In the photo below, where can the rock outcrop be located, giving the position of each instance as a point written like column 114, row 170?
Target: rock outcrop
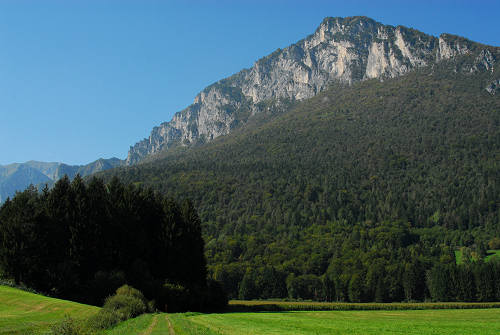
column 342, row 50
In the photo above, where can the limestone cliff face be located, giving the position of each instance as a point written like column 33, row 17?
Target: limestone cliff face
column 344, row 50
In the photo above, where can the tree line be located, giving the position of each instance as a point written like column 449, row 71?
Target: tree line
column 388, row 262
column 81, row 241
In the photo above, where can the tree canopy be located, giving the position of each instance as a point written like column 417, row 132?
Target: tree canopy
column 81, row 241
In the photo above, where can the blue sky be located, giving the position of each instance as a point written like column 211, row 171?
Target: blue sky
column 80, row 80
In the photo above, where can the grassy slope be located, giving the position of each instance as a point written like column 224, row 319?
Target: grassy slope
column 22, row 312
column 477, row 322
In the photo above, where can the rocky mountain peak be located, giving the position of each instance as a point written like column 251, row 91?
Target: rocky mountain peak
column 341, row 50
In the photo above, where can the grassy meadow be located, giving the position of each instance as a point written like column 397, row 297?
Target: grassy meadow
column 24, row 313
column 27, row 313
column 463, row 322
column 132, row 326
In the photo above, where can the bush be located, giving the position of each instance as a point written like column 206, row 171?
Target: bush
column 125, row 306
column 104, row 319
column 69, row 326
column 130, row 291
column 103, row 283
column 127, row 303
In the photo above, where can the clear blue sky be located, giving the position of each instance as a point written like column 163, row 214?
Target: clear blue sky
column 86, row 79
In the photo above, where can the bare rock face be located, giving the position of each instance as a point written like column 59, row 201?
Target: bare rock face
column 342, row 50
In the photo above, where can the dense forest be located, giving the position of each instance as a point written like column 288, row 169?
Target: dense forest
column 362, row 193
column 81, row 241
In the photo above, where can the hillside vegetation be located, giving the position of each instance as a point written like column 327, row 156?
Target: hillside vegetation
column 350, row 194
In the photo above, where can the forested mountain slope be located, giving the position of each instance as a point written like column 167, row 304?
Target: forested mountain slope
column 377, row 179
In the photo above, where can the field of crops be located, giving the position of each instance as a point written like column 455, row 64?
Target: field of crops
column 23, row 312
column 282, row 306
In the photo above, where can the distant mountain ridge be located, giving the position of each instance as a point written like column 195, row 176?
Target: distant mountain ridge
column 341, row 50
column 17, row 176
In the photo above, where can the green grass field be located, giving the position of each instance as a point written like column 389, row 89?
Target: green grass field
column 436, row 322
column 23, row 312
column 26, row 313
column 132, row 326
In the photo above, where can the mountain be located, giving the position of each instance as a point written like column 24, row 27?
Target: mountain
column 18, row 176
column 356, row 193
column 341, row 50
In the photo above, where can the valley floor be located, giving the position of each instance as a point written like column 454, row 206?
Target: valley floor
column 474, row 322
column 26, row 313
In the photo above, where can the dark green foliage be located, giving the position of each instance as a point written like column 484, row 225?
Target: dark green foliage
column 439, row 283
column 104, row 319
column 129, row 291
column 216, row 297
column 494, row 243
column 82, row 241
column 126, row 303
column 486, row 284
column 125, row 306
column 356, row 288
column 68, row 326
column 175, row 298
column 369, row 185
column 304, row 287
column 476, row 281
column 248, row 288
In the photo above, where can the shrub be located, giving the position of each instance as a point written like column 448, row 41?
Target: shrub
column 69, row 326
column 127, row 303
column 130, row 291
column 103, row 283
column 125, row 306
column 104, row 319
